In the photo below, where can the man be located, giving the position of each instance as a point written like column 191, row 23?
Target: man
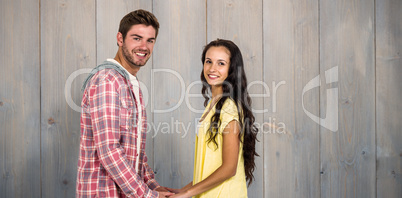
column 112, row 161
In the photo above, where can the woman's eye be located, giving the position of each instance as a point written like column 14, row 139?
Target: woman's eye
column 221, row 63
column 208, row 61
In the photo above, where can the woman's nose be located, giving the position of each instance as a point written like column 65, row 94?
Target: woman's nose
column 213, row 67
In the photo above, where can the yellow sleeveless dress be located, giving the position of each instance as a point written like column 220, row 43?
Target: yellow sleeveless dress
column 208, row 158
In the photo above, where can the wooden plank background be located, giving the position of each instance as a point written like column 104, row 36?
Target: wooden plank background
column 67, row 45
column 388, row 92
column 291, row 140
column 47, row 46
column 19, row 99
column 348, row 163
column 176, row 52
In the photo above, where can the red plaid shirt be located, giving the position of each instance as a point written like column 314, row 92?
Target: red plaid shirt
column 108, row 144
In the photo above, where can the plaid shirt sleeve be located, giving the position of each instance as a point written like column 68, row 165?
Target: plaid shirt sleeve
column 105, row 116
column 149, row 176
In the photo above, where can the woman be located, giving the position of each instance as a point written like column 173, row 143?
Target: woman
column 225, row 143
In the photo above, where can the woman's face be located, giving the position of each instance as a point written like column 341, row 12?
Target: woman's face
column 216, row 65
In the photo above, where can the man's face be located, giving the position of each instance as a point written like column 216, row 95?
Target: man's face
column 138, row 45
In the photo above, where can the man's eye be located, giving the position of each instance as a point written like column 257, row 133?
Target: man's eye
column 151, row 41
column 137, row 39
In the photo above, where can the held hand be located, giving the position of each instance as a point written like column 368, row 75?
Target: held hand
column 162, row 189
column 165, row 194
column 174, row 190
column 180, row 195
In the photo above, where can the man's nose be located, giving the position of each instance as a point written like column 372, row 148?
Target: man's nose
column 143, row 44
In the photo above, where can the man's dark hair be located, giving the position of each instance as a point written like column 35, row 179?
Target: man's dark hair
column 138, row 17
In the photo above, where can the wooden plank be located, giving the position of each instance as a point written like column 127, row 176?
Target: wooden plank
column 291, row 60
column 241, row 22
column 178, row 51
column 388, row 94
column 108, row 16
column 348, row 155
column 68, row 44
column 19, row 99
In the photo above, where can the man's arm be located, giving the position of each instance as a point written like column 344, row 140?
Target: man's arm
column 149, row 176
column 105, row 116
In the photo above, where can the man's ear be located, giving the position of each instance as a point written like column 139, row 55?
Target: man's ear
column 119, row 38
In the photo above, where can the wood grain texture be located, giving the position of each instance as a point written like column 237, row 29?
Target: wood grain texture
column 67, row 45
column 348, row 155
column 19, row 99
column 108, row 16
column 178, row 50
column 291, row 60
column 241, row 22
column 388, row 94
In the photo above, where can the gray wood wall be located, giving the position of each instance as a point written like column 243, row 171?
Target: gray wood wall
column 351, row 48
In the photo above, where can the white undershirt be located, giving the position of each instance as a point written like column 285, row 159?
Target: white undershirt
column 136, row 88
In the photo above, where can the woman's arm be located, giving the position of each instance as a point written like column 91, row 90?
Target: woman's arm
column 230, row 154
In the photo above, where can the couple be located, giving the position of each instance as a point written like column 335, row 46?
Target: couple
column 112, row 160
